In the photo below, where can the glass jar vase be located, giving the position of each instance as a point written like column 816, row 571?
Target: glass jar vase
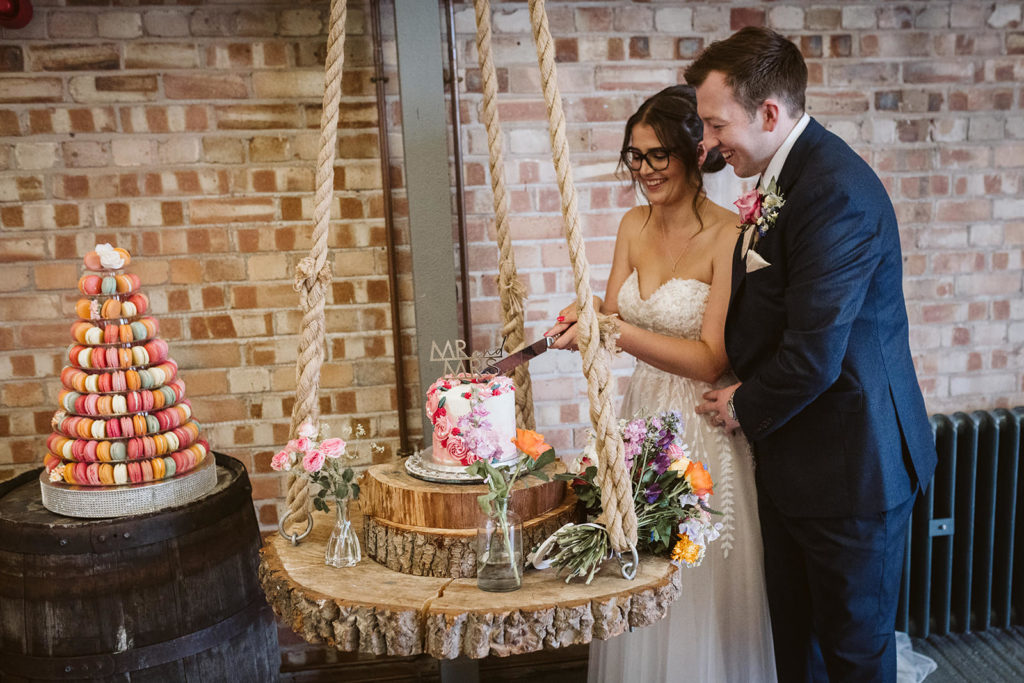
column 499, row 550
column 343, row 545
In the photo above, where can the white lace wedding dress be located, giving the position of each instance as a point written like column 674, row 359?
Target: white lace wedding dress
column 718, row 631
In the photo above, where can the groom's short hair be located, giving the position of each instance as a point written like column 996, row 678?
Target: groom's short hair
column 757, row 63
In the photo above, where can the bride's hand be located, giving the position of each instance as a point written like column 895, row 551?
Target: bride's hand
column 717, row 406
column 564, row 330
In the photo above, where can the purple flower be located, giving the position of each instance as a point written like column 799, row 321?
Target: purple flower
column 662, row 461
column 482, row 442
column 632, row 449
column 635, row 431
column 653, row 492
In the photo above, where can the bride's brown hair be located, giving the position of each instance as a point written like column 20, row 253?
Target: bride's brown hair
column 672, row 114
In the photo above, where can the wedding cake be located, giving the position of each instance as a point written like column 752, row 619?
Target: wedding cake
column 473, row 418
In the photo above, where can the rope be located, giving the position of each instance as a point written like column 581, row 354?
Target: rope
column 616, row 491
column 313, row 273
column 510, row 289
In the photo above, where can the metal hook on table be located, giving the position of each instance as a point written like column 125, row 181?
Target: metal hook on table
column 629, row 567
column 295, row 538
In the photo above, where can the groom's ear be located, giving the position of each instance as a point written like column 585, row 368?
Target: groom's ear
column 702, row 154
column 771, row 109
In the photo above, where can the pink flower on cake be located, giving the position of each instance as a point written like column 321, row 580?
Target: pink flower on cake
column 442, row 428
column 432, row 401
column 333, row 448
column 314, row 462
column 307, row 430
column 457, row 449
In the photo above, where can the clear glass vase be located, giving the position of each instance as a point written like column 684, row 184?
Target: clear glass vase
column 343, row 545
column 499, row 550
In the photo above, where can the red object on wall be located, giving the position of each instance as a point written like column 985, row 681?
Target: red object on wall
column 15, row 13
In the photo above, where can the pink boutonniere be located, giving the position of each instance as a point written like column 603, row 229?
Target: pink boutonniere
column 760, row 208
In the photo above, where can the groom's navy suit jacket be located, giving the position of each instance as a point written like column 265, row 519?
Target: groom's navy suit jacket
column 819, row 338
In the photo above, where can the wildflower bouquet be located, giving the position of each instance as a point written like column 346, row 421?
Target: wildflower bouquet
column 670, row 493
column 321, row 461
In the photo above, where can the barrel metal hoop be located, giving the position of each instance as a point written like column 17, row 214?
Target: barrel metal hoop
column 135, row 659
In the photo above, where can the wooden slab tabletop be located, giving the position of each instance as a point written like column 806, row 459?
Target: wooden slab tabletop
column 369, row 608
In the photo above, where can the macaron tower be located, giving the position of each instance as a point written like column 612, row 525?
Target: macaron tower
column 124, row 422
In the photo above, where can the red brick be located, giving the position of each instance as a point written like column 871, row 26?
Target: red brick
column 740, row 17
column 41, row 121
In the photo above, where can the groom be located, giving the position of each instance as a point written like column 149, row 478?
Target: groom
column 817, row 333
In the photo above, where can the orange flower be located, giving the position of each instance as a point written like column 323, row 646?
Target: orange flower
column 699, row 479
column 687, row 551
column 531, row 443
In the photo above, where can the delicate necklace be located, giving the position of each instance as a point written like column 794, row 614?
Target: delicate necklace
column 682, row 251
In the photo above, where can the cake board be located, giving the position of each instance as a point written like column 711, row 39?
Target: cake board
column 98, row 502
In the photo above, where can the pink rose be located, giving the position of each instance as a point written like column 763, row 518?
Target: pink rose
column 457, row 449
column 281, row 461
column 675, row 451
column 749, row 206
column 432, row 401
column 299, row 445
column 442, row 428
column 308, row 430
column 313, row 461
column 332, row 448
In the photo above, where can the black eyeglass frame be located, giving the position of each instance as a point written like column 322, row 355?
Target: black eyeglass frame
column 640, row 157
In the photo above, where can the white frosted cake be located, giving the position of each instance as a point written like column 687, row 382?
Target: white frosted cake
column 474, row 418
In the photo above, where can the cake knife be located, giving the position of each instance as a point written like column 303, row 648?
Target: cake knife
column 513, row 360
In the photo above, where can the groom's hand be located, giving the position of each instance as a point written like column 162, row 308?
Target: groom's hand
column 718, row 407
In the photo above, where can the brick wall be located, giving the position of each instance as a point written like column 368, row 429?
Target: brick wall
column 928, row 92
column 188, row 133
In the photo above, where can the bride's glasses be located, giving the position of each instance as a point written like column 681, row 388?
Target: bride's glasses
column 656, row 158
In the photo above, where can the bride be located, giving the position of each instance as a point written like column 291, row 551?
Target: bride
column 670, row 286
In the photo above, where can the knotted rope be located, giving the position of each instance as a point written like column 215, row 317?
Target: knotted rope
column 510, row 290
column 313, row 273
column 596, row 337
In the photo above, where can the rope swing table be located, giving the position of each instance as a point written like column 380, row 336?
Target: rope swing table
column 415, row 592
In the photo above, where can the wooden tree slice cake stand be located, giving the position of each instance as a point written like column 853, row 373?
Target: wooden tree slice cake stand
column 429, row 529
column 371, row 609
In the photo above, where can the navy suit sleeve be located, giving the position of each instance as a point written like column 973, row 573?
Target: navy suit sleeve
column 831, row 254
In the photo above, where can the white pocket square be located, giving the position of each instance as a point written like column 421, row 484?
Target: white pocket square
column 755, row 261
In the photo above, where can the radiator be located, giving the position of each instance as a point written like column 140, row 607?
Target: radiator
column 963, row 542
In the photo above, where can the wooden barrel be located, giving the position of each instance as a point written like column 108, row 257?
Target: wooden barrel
column 167, row 596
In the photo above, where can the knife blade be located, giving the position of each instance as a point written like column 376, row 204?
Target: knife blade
column 513, row 360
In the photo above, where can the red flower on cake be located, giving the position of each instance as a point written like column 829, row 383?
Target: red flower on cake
column 442, row 427
column 457, row 449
